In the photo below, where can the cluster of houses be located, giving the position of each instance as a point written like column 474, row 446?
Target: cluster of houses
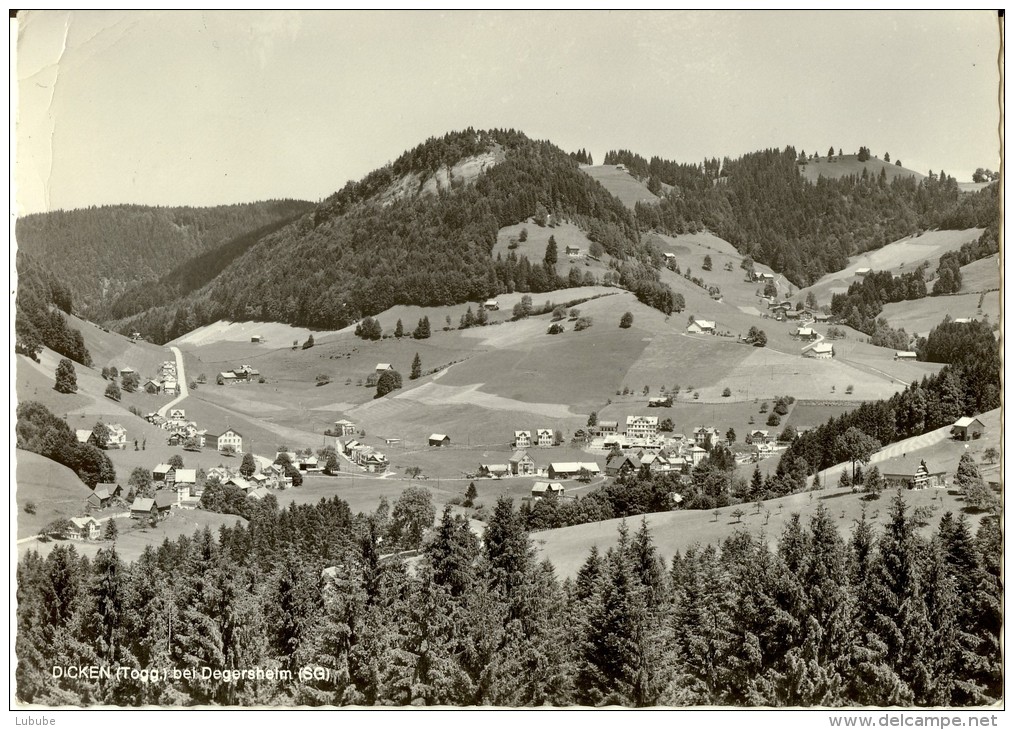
column 783, row 309
column 117, row 436
column 181, row 430
column 366, row 457
column 166, row 382
column 543, row 439
column 242, row 374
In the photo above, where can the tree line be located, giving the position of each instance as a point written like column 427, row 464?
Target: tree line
column 39, row 319
column 886, row 617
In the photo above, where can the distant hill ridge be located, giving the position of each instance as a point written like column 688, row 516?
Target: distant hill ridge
column 419, row 231
column 100, row 252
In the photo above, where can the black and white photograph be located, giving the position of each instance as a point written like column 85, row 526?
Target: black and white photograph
column 507, row 359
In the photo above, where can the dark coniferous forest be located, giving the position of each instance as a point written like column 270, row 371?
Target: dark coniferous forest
column 99, row 252
column 890, row 616
column 763, row 205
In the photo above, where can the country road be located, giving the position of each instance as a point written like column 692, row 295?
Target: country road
column 181, row 378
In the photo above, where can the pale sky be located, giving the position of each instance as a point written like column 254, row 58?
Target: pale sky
column 204, row 108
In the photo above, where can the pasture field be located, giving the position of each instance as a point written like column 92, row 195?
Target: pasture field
column 622, row 184
column 274, row 334
column 134, row 538
column 898, row 257
column 55, row 490
column 981, row 275
column 922, row 315
column 565, row 234
column 112, row 348
column 850, row 165
column 811, row 415
column 567, row 548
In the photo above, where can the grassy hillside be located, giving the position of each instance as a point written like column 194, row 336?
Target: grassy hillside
column 981, row 275
column 901, row 256
column 621, row 183
column 850, row 165
column 55, row 491
column 922, row 315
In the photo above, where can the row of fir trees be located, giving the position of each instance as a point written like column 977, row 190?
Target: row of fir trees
column 889, row 616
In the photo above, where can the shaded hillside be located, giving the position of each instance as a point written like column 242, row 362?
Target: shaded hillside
column 764, row 204
column 365, row 249
column 100, row 252
column 39, row 318
column 189, row 276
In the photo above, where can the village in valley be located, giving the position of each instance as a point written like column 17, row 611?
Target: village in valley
column 346, row 375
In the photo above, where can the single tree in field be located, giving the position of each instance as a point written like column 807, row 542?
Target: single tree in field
column 110, row 531
column 249, row 465
column 113, row 391
column 551, row 256
column 413, row 471
column 470, row 494
column 399, row 329
column 855, row 445
column 991, row 455
column 707, row 263
column 523, row 236
column 583, row 475
column 175, row 461
column 730, row 436
column 738, row 514
column 593, row 418
column 66, row 377
column 331, row 464
column 416, row 368
column 309, row 343
column 389, row 380
column 412, row 515
column 626, row 320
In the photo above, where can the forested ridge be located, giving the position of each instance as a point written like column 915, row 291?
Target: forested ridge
column 885, row 617
column 362, row 251
column 39, row 317
column 763, row 206
column 100, row 252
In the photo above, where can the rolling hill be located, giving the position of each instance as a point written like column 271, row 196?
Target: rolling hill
column 850, row 165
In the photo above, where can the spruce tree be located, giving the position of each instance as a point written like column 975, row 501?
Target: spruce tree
column 416, row 368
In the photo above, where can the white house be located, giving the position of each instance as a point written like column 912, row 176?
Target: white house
column 820, row 350
column 544, row 437
column 382, row 366
column 701, row 326
column 117, row 436
column 905, row 355
column 344, row 427
column 522, row 439
column 83, row 528
column 521, row 464
column 645, row 427
column 231, row 438
column 491, row 304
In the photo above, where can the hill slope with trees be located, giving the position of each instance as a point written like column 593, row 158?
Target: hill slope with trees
column 100, row 252
column 765, row 206
column 365, row 249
